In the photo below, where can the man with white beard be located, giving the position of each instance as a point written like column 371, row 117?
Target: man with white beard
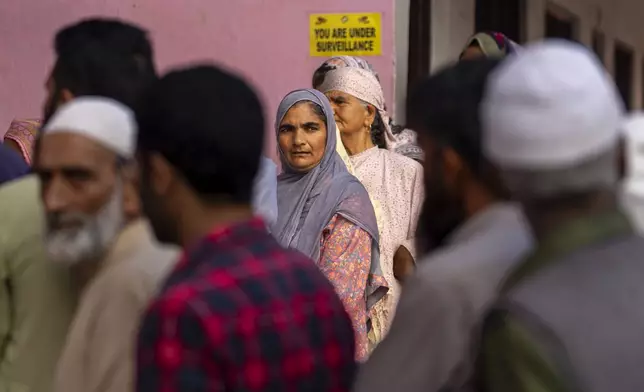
column 93, row 225
column 92, row 57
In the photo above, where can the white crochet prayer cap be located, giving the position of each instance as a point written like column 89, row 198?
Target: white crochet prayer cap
column 553, row 106
column 104, row 120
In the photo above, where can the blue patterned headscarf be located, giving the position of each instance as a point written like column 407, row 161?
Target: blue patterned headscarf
column 308, row 201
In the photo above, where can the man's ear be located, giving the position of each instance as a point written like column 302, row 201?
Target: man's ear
column 160, row 173
column 131, row 183
column 371, row 114
column 66, row 96
column 452, row 164
column 452, row 160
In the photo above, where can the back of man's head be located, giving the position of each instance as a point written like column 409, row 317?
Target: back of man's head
column 445, row 109
column 103, row 57
column 550, row 119
column 209, row 125
column 446, row 105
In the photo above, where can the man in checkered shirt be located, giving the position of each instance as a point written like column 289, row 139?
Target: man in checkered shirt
column 239, row 312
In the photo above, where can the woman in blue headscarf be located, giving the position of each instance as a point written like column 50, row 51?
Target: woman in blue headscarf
column 325, row 212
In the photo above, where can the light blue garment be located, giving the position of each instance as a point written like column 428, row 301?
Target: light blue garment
column 265, row 191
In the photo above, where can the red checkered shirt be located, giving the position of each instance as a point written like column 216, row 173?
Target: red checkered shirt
column 241, row 313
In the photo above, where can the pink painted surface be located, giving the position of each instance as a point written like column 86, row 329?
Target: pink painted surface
column 265, row 40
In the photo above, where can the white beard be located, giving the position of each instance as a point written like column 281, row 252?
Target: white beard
column 93, row 239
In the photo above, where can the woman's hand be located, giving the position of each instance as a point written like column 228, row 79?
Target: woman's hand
column 404, row 264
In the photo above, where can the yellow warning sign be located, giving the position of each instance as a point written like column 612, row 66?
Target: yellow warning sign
column 345, row 34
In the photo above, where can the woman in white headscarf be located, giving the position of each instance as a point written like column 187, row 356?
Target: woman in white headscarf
column 405, row 139
column 394, row 182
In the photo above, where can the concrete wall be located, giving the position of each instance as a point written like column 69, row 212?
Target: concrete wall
column 618, row 20
column 453, row 22
column 267, row 41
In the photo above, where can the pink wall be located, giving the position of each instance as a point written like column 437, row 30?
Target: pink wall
column 265, row 40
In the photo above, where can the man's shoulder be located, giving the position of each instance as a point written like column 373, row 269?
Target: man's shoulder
column 22, row 216
column 613, row 262
column 26, row 183
column 138, row 277
column 20, row 196
column 257, row 282
column 261, row 257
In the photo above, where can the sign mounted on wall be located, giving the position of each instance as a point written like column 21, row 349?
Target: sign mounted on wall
column 345, row 34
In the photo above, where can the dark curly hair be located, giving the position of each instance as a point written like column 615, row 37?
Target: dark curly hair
column 378, row 131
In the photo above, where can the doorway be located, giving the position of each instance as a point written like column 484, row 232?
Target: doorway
column 560, row 23
column 504, row 16
column 623, row 57
column 419, row 54
column 599, row 45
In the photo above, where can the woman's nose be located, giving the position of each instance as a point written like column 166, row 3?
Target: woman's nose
column 298, row 138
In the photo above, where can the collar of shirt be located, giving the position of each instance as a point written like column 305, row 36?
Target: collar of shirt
column 133, row 236
column 238, row 232
column 223, row 233
column 497, row 213
column 128, row 240
column 570, row 236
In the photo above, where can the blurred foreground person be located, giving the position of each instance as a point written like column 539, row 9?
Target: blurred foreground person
column 265, row 191
column 37, row 298
column 239, row 312
column 477, row 236
column 21, row 137
column 325, row 212
column 571, row 316
column 632, row 196
column 101, row 57
column 85, row 164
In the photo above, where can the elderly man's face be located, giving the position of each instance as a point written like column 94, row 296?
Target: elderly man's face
column 84, row 195
column 444, row 205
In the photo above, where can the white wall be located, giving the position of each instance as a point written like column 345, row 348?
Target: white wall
column 617, row 19
column 453, row 23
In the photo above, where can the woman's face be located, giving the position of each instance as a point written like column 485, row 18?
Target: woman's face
column 302, row 137
column 473, row 52
column 351, row 114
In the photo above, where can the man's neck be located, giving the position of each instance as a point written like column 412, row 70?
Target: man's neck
column 200, row 221
column 479, row 199
column 356, row 142
column 547, row 216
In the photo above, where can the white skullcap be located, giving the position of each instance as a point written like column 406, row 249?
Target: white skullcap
column 550, row 107
column 103, row 120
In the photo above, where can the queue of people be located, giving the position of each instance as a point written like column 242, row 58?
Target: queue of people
column 146, row 244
